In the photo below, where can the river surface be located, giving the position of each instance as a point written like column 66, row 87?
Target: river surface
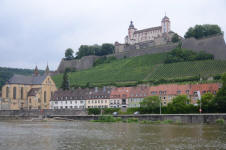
column 24, row 135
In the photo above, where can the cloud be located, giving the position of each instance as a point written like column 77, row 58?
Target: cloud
column 38, row 31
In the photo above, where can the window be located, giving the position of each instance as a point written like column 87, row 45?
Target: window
column 29, row 100
column 81, row 102
column 7, row 92
column 22, row 93
column 56, row 102
column 39, row 100
column 45, row 97
column 187, row 91
column 71, row 102
column 179, row 92
column 14, row 92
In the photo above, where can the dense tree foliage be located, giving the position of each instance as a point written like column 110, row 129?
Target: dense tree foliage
column 151, row 104
column 182, row 55
column 175, row 38
column 7, row 73
column 207, row 103
column 200, row 31
column 180, row 104
column 98, row 50
column 69, row 54
column 65, row 84
column 220, row 99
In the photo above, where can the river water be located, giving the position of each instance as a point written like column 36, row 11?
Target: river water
column 24, row 135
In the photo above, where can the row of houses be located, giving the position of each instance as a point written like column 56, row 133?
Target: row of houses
column 122, row 97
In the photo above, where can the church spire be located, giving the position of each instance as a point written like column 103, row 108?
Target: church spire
column 47, row 69
column 36, row 73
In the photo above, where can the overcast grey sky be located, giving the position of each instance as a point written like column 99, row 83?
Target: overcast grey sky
column 34, row 32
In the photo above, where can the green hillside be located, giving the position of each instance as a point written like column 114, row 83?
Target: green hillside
column 143, row 68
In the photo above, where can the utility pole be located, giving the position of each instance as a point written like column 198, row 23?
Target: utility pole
column 200, row 105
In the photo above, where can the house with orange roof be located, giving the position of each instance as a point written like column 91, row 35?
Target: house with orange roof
column 119, row 97
column 136, row 95
column 167, row 92
column 203, row 88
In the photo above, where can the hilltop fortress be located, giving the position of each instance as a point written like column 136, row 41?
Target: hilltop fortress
column 149, row 41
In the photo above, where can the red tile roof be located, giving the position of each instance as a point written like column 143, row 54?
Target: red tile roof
column 120, row 92
column 207, row 87
column 139, row 91
column 170, row 89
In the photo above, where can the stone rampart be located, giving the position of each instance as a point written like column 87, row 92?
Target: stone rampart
column 214, row 45
column 85, row 62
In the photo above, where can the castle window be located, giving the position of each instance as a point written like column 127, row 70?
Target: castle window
column 14, row 92
column 7, row 92
column 22, row 93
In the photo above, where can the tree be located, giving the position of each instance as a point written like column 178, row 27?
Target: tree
column 206, row 102
column 69, row 54
column 150, row 104
column 175, row 38
column 65, row 84
column 200, row 31
column 180, row 104
column 220, row 99
column 86, row 50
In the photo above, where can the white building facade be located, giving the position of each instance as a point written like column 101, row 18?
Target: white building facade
column 72, row 99
column 149, row 34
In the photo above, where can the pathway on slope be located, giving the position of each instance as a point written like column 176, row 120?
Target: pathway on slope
column 154, row 69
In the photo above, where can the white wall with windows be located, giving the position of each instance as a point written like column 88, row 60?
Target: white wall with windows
column 68, row 104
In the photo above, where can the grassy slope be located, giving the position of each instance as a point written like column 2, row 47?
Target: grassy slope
column 147, row 67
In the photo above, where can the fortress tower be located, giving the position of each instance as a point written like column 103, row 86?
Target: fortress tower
column 165, row 25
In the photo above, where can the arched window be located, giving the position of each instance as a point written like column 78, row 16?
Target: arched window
column 7, row 92
column 45, row 97
column 14, row 92
column 22, row 93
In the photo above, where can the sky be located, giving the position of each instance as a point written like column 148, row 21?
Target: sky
column 37, row 32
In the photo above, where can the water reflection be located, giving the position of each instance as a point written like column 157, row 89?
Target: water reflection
column 90, row 136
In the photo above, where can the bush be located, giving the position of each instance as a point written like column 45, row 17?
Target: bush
column 175, row 38
column 108, row 119
column 110, row 110
column 220, row 121
column 94, row 111
column 182, row 55
column 131, row 120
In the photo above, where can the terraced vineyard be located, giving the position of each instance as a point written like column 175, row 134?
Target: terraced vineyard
column 148, row 67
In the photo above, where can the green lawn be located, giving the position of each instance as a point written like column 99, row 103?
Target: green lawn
column 147, row 67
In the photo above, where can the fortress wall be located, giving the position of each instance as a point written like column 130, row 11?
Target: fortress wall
column 147, row 50
column 214, row 45
column 78, row 64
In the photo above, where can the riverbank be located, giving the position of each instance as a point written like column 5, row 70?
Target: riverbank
column 182, row 118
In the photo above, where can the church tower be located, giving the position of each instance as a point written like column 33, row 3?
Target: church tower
column 165, row 24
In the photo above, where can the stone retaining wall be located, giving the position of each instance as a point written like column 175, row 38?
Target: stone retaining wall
column 183, row 118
